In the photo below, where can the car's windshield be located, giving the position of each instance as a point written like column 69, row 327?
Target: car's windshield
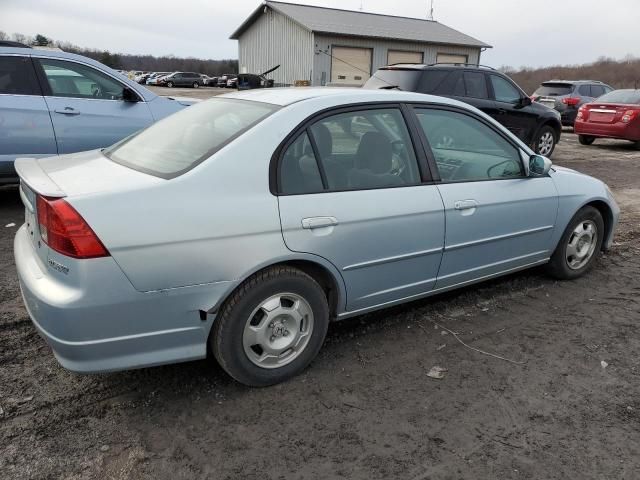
column 631, row 97
column 181, row 141
column 554, row 89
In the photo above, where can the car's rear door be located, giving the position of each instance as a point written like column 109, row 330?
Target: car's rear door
column 25, row 125
column 86, row 106
column 351, row 190
column 498, row 219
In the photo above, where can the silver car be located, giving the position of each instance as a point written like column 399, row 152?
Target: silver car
column 245, row 224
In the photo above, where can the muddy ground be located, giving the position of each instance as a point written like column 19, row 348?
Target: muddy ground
column 366, row 408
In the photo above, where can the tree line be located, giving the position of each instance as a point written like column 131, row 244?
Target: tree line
column 623, row 73
column 122, row 61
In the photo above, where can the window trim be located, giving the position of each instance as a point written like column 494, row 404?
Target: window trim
column 431, row 156
column 29, row 60
column 277, row 157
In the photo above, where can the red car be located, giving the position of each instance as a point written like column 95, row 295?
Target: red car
column 613, row 115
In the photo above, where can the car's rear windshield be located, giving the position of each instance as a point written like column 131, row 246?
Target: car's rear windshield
column 181, row 141
column 554, row 89
column 631, row 97
column 404, row 79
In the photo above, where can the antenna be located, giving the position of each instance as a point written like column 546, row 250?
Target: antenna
column 361, row 5
column 430, row 17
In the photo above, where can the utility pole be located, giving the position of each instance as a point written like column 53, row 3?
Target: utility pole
column 361, row 5
column 430, row 17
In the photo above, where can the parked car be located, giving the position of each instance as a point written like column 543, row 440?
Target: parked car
column 486, row 89
column 232, row 82
column 339, row 208
column 56, row 102
column 210, row 81
column 223, row 80
column 567, row 96
column 614, row 115
column 142, row 78
column 181, row 79
column 153, row 78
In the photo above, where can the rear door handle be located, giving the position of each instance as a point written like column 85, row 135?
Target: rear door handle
column 502, row 111
column 465, row 204
column 319, row 222
column 68, row 111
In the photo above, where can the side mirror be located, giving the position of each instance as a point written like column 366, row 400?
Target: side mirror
column 129, row 95
column 524, row 102
column 539, row 166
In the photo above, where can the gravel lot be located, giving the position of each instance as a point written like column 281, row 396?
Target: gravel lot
column 365, row 409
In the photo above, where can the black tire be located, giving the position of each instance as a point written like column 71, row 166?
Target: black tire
column 586, row 139
column 196, row 85
column 170, row 84
column 226, row 338
column 545, row 149
column 558, row 267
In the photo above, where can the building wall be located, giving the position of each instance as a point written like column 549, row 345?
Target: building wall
column 323, row 43
column 273, row 40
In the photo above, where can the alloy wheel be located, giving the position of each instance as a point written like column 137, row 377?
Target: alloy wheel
column 546, row 143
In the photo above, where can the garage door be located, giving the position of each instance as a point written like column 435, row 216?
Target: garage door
column 448, row 58
column 350, row 66
column 398, row 56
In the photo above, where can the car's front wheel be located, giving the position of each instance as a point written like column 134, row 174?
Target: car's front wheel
column 196, row 85
column 271, row 327
column 579, row 245
column 545, row 141
column 170, row 84
column 586, row 139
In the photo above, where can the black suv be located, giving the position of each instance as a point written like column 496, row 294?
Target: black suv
column 486, row 89
column 567, row 96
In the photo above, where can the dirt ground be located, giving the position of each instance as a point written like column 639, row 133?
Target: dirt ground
column 366, row 408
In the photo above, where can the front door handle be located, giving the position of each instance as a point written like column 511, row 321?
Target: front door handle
column 502, row 111
column 68, row 111
column 319, row 222
column 465, row 204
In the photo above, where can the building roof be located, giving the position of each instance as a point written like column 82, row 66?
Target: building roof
column 363, row 24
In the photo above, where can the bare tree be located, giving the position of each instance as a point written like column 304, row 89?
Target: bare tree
column 3, row 35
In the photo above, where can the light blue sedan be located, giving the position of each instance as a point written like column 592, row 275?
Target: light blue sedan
column 53, row 103
column 243, row 225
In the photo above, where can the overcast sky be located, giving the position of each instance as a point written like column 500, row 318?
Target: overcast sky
column 523, row 32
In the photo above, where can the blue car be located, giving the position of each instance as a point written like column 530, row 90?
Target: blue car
column 54, row 103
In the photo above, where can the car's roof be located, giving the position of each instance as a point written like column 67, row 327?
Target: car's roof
column 289, row 95
column 571, row 82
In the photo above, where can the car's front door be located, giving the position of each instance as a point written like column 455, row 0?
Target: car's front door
column 498, row 219
column 351, row 191
column 87, row 107
column 509, row 110
column 25, row 126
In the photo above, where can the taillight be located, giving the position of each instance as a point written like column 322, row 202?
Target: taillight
column 571, row 101
column 583, row 113
column 629, row 115
column 65, row 231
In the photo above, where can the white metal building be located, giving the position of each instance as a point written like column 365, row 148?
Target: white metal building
column 331, row 46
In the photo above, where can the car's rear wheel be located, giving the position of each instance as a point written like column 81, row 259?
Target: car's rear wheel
column 196, row 85
column 170, row 84
column 637, row 144
column 545, row 141
column 579, row 246
column 586, row 139
column 271, row 327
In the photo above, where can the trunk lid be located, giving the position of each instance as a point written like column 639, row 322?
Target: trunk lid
column 79, row 174
column 608, row 112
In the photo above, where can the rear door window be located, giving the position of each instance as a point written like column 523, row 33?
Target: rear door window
column 585, row 90
column 17, row 76
column 476, row 84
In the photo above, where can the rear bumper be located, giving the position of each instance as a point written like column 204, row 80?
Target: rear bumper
column 101, row 323
column 616, row 130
